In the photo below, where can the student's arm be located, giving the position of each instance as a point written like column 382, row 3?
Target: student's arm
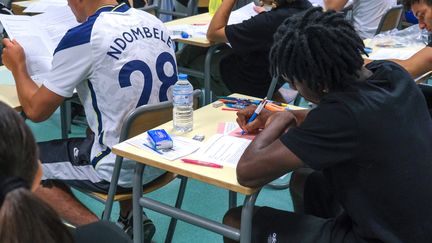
column 216, row 29
column 336, row 5
column 267, row 158
column 38, row 103
column 419, row 64
column 261, row 120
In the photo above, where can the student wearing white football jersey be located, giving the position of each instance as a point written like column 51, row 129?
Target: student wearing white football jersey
column 117, row 59
column 366, row 13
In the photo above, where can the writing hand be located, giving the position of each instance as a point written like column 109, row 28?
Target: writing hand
column 253, row 127
column 259, row 9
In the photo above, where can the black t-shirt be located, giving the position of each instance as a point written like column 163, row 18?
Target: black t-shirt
column 246, row 71
column 373, row 143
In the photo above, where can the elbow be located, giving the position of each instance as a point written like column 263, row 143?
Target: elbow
column 245, row 175
column 35, row 116
column 210, row 35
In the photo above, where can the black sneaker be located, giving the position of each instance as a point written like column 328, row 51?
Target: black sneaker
column 126, row 223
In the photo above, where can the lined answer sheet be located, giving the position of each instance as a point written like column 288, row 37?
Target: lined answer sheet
column 222, row 149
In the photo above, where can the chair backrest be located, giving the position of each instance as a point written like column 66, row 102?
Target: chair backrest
column 147, row 117
column 138, row 121
column 157, row 7
column 391, row 19
column 427, row 92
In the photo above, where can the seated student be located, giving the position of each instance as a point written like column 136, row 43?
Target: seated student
column 368, row 140
column 244, row 68
column 118, row 58
column 366, row 13
column 421, row 62
column 23, row 216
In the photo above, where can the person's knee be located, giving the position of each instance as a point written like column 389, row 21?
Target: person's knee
column 233, row 217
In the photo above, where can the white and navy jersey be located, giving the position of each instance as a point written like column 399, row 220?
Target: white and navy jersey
column 117, row 60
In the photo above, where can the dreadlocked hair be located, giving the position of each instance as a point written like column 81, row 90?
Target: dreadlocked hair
column 317, row 48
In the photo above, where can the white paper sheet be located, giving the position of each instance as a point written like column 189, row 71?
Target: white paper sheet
column 392, row 53
column 241, row 14
column 43, row 6
column 200, row 31
column 39, row 35
column 181, row 146
column 222, row 149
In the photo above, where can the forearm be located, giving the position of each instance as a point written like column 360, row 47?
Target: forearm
column 26, row 87
column 216, row 29
column 336, row 5
column 300, row 115
column 267, row 158
column 270, row 133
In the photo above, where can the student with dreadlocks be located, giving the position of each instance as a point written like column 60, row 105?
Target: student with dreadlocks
column 363, row 149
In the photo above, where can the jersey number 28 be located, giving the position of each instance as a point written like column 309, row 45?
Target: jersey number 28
column 138, row 65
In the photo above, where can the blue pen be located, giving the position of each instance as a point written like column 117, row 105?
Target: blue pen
column 150, row 147
column 256, row 112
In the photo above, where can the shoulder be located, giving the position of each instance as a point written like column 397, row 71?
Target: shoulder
column 76, row 36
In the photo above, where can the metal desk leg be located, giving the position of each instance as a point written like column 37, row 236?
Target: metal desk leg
column 65, row 118
column 246, row 218
column 207, row 75
column 232, row 199
column 136, row 207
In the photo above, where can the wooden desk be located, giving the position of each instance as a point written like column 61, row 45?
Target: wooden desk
column 397, row 53
column 206, row 121
column 201, row 42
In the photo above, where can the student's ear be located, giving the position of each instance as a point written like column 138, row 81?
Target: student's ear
column 38, row 177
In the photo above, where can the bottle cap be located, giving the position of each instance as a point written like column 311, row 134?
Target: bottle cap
column 182, row 76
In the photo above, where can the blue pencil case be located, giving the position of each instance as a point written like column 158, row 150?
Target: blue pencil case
column 160, row 139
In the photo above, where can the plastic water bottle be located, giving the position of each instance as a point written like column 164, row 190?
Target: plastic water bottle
column 183, row 101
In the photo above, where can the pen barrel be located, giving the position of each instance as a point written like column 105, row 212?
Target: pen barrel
column 252, row 118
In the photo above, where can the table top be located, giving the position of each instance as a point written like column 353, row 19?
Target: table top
column 206, row 121
column 200, row 19
column 8, row 93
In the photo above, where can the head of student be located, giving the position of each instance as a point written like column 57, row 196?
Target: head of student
column 422, row 9
column 23, row 217
column 317, row 53
column 82, row 9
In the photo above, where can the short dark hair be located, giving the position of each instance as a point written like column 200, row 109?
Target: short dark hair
column 317, row 48
column 408, row 3
column 18, row 150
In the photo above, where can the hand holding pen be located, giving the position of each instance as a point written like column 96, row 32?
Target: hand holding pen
column 258, row 122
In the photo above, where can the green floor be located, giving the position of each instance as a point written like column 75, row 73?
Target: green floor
column 200, row 198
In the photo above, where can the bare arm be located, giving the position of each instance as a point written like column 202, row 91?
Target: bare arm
column 216, row 29
column 37, row 103
column 267, row 158
column 419, row 64
column 336, row 5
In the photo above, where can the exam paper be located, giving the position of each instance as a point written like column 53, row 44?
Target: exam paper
column 42, row 6
column 200, row 30
column 39, row 35
column 241, row 14
column 222, row 149
column 393, row 53
column 181, row 146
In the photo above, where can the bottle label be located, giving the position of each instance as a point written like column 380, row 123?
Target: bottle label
column 184, row 99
